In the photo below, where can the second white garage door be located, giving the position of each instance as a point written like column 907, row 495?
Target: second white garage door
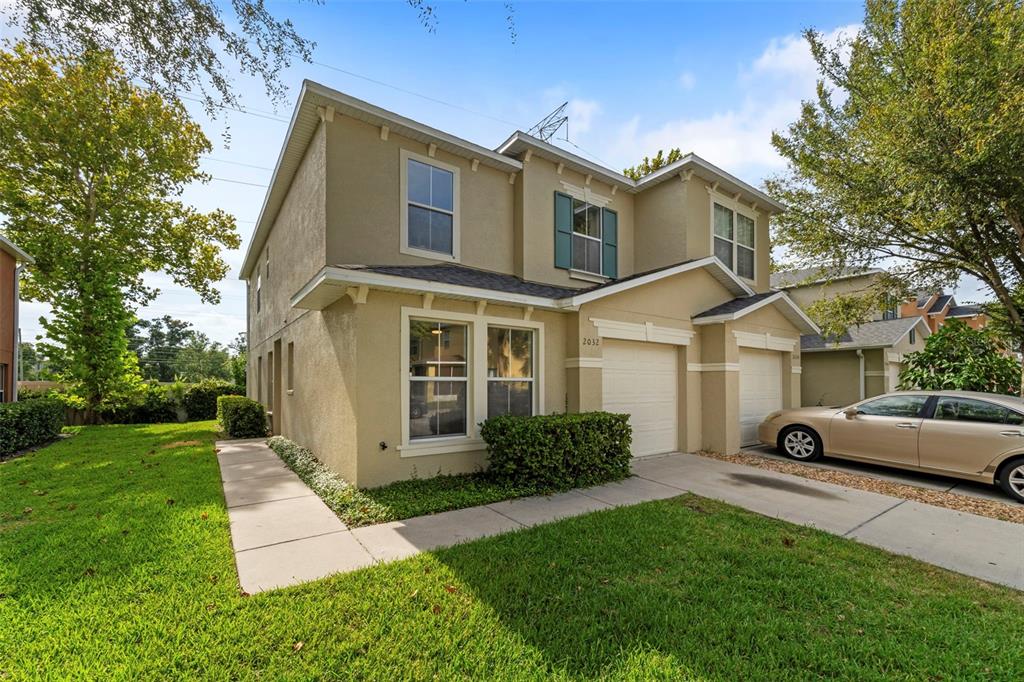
column 640, row 379
column 760, row 389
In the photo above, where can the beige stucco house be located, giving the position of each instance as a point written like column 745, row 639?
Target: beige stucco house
column 405, row 284
column 867, row 359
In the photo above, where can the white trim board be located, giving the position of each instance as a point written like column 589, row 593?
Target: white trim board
column 642, row 331
column 764, row 341
column 791, row 310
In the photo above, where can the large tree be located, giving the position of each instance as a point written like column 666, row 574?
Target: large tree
column 910, row 157
column 158, row 342
column 91, row 168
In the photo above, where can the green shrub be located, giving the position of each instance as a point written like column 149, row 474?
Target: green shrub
column 152, row 405
column 200, row 400
column 351, row 505
column 26, row 424
column 241, row 417
column 559, row 451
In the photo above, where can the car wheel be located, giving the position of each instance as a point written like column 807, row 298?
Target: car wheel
column 1011, row 479
column 800, row 443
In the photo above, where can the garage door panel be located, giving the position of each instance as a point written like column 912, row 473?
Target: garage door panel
column 640, row 379
column 760, row 390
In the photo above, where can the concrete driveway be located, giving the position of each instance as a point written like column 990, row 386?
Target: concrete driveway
column 914, row 478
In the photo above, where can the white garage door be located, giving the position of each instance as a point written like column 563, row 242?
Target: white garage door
column 640, row 379
column 760, row 389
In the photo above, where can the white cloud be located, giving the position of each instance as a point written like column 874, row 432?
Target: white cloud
column 581, row 115
column 738, row 138
column 687, row 80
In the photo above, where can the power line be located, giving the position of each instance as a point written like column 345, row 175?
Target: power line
column 251, row 112
column 236, row 163
column 416, row 94
column 239, row 182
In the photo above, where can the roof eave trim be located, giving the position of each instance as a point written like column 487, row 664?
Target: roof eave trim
column 778, row 297
column 15, row 251
column 673, row 168
column 619, row 287
column 334, row 275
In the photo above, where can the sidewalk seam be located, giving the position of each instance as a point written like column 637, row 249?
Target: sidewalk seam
column 276, row 499
column 285, row 542
column 876, row 516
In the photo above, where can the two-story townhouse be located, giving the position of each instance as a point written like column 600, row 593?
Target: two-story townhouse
column 10, row 257
column 936, row 308
column 867, row 359
column 405, row 284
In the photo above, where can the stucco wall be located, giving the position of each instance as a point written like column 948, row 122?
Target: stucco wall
column 830, row 378
column 379, row 380
column 365, row 202
column 807, row 294
column 660, row 215
column 540, row 180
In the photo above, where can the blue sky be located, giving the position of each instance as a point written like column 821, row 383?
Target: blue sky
column 712, row 78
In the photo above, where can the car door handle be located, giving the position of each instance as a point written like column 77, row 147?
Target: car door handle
column 1019, row 434
column 906, row 425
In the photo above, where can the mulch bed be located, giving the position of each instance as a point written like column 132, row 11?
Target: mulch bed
column 1008, row 511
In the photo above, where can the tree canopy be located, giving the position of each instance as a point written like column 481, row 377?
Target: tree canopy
column 910, row 156
column 649, row 165
column 959, row 358
column 91, row 168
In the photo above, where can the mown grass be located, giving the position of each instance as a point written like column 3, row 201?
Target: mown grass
column 107, row 578
column 417, row 497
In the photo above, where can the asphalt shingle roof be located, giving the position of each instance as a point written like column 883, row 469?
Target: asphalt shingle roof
column 735, row 305
column 867, row 335
column 794, row 278
column 969, row 310
column 470, row 277
column 940, row 303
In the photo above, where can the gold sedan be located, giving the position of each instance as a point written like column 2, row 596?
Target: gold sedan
column 974, row 436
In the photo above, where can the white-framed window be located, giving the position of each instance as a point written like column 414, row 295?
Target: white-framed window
column 587, row 235
column 510, row 371
column 733, row 234
column 430, row 207
column 438, row 378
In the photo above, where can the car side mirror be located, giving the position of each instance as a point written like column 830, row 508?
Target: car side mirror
column 851, row 412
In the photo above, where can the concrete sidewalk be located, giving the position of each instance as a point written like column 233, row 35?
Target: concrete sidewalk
column 283, row 534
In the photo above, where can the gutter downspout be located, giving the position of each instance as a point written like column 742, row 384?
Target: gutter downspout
column 17, row 335
column 860, row 356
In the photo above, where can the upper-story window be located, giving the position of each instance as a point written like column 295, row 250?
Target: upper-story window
column 586, row 236
column 259, row 288
column 430, row 225
column 734, row 240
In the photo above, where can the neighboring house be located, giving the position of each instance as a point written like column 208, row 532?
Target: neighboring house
column 935, row 309
column 812, row 284
column 10, row 257
column 405, row 284
column 865, row 361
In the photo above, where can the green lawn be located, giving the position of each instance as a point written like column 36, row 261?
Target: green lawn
column 123, row 569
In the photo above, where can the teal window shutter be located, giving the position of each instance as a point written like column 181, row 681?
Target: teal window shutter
column 563, row 230
column 610, row 250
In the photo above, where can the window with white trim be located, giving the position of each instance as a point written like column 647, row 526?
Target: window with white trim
column 438, row 378
column 510, row 371
column 430, row 207
column 734, row 240
column 587, row 235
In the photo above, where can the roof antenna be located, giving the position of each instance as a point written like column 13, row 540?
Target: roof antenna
column 550, row 124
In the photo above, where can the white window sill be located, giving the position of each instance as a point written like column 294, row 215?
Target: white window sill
column 432, row 255
column 441, row 446
column 588, row 276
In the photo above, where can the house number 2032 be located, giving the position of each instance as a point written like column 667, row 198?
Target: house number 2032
column 591, row 341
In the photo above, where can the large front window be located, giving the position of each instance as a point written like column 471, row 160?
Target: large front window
column 586, row 236
column 438, row 378
column 509, row 371
column 431, row 207
column 734, row 240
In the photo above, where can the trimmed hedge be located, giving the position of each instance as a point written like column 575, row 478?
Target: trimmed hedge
column 241, row 417
column 200, row 400
column 30, row 423
column 559, row 451
column 152, row 406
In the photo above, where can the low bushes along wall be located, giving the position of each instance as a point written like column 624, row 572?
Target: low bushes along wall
column 559, row 451
column 30, row 423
